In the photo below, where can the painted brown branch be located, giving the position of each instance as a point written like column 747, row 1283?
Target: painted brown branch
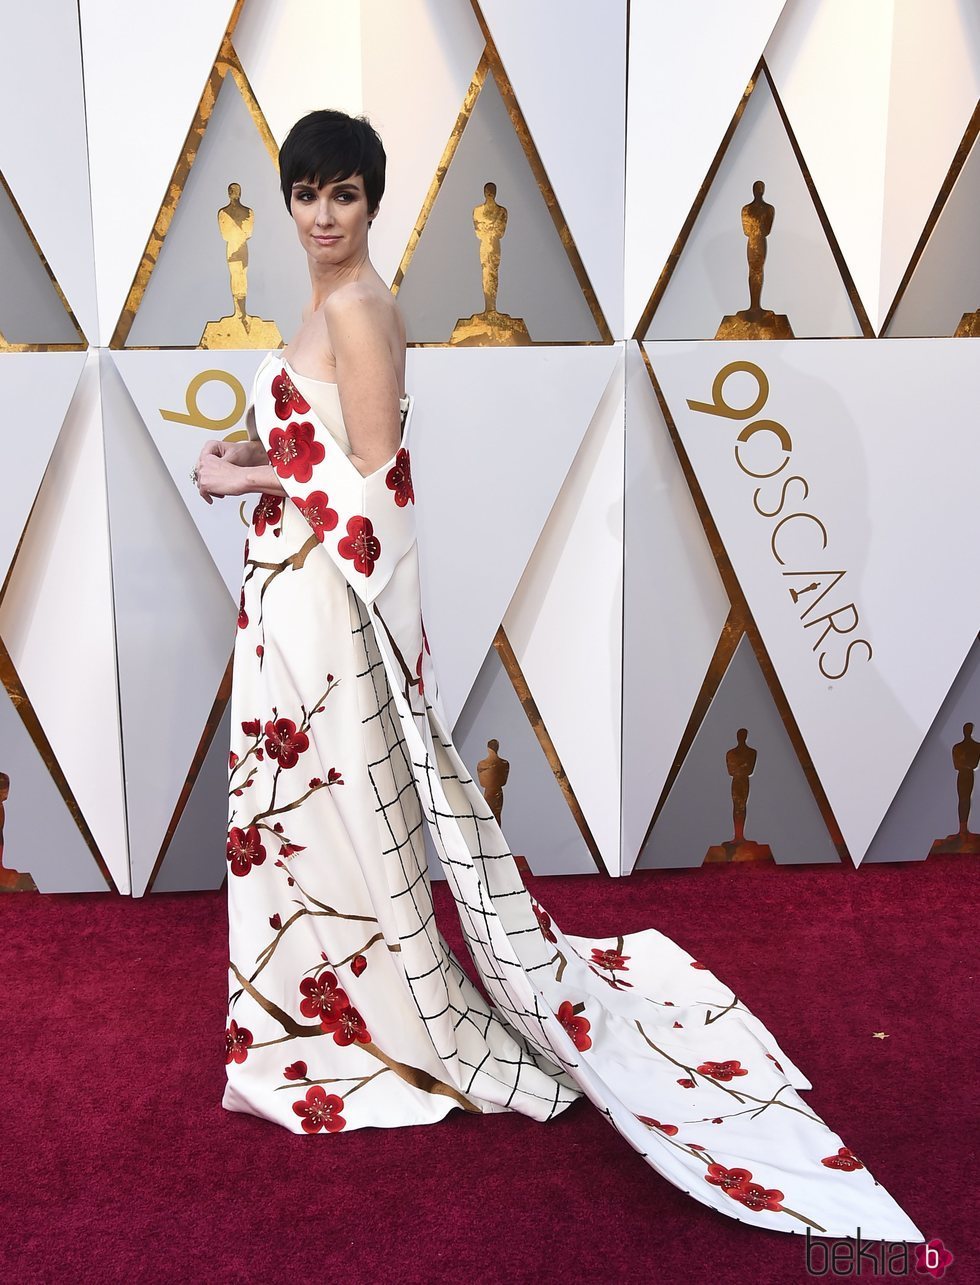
column 267, row 952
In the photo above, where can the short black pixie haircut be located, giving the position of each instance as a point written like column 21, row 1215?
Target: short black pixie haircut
column 328, row 146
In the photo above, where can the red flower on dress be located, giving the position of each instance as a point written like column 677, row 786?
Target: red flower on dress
column 399, row 479
column 697, row 964
column 334, row 777
column 320, row 1111
column 323, row 998
column 237, row 1040
column 232, row 759
column 774, row 1062
column 275, row 921
column 361, row 544
column 350, row 1027
column 284, row 743
column 845, row 1160
column 289, row 401
column 544, row 922
column 757, row 1198
column 722, row 1070
column 296, row 1071
column 252, row 727
column 294, row 450
column 729, row 1180
column 669, row 1129
column 244, row 849
column 686, row 1083
column 577, row 1027
column 418, row 674
column 267, row 512
column 358, row 965
column 610, row 959
column 318, row 513
column 242, row 613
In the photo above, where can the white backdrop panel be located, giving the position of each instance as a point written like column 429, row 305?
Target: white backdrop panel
column 687, row 63
column 572, row 590
column 878, row 501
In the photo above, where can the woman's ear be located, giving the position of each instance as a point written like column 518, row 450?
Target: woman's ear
column 374, row 214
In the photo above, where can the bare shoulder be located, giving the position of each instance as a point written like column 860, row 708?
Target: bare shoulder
column 361, row 303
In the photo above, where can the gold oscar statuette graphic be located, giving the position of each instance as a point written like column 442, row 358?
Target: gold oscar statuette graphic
column 756, row 322
column 10, row 880
column 490, row 326
column 235, row 223
column 493, row 772
column 966, row 760
column 740, row 762
column 969, row 327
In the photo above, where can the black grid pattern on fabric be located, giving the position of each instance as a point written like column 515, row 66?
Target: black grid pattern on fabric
column 401, row 805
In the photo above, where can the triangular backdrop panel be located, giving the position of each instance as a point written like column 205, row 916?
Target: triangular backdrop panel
column 926, row 808
column 865, row 657
column 780, row 812
column 40, row 837
column 36, row 389
column 41, row 64
column 127, row 78
column 56, row 623
column 568, row 125
column 537, row 283
column 195, row 856
column 801, row 277
column 945, row 283
column 175, row 622
column 494, row 434
column 854, row 80
column 421, row 52
column 572, row 590
column 161, row 382
column 536, row 819
column 674, row 610
column 666, row 167
column 31, row 310
column 190, row 284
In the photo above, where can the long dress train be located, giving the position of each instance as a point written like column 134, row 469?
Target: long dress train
column 346, row 1007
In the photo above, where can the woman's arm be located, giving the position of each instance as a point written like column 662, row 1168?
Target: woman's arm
column 218, row 476
column 357, row 321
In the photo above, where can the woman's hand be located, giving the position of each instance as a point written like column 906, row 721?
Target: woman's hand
column 218, row 476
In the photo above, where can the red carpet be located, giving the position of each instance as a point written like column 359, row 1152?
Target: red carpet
column 119, row 1164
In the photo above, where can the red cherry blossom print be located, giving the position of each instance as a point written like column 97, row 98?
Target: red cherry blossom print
column 757, row 1198
column 577, row 1027
column 729, row 1180
column 252, row 727
column 358, row 965
column 294, row 450
column 267, row 512
column 320, row 1111
column 722, row 1070
column 686, row 1083
column 323, row 998
column 697, row 964
column 318, row 513
column 246, row 549
column 669, row 1129
column 544, row 922
column 244, row 849
column 275, row 921
column 296, row 1071
column 399, row 479
column 242, row 613
column 361, row 545
column 845, row 1160
column 334, row 777
column 232, row 759
column 260, row 651
column 289, row 401
column 350, row 1027
column 284, row 743
column 774, row 1062
column 418, row 674
column 237, row 1040
column 610, row 959
column 679, row 1025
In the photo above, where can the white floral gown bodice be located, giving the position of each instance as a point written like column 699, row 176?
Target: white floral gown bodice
column 346, row 1007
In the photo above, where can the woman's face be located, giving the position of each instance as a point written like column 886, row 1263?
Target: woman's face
column 332, row 221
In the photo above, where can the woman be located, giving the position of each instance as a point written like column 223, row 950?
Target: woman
column 346, row 1007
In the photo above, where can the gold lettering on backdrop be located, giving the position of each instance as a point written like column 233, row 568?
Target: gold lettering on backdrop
column 239, row 330
column 966, row 760
column 490, row 326
column 756, row 322
column 797, row 535
column 10, row 880
column 740, row 763
column 492, row 773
